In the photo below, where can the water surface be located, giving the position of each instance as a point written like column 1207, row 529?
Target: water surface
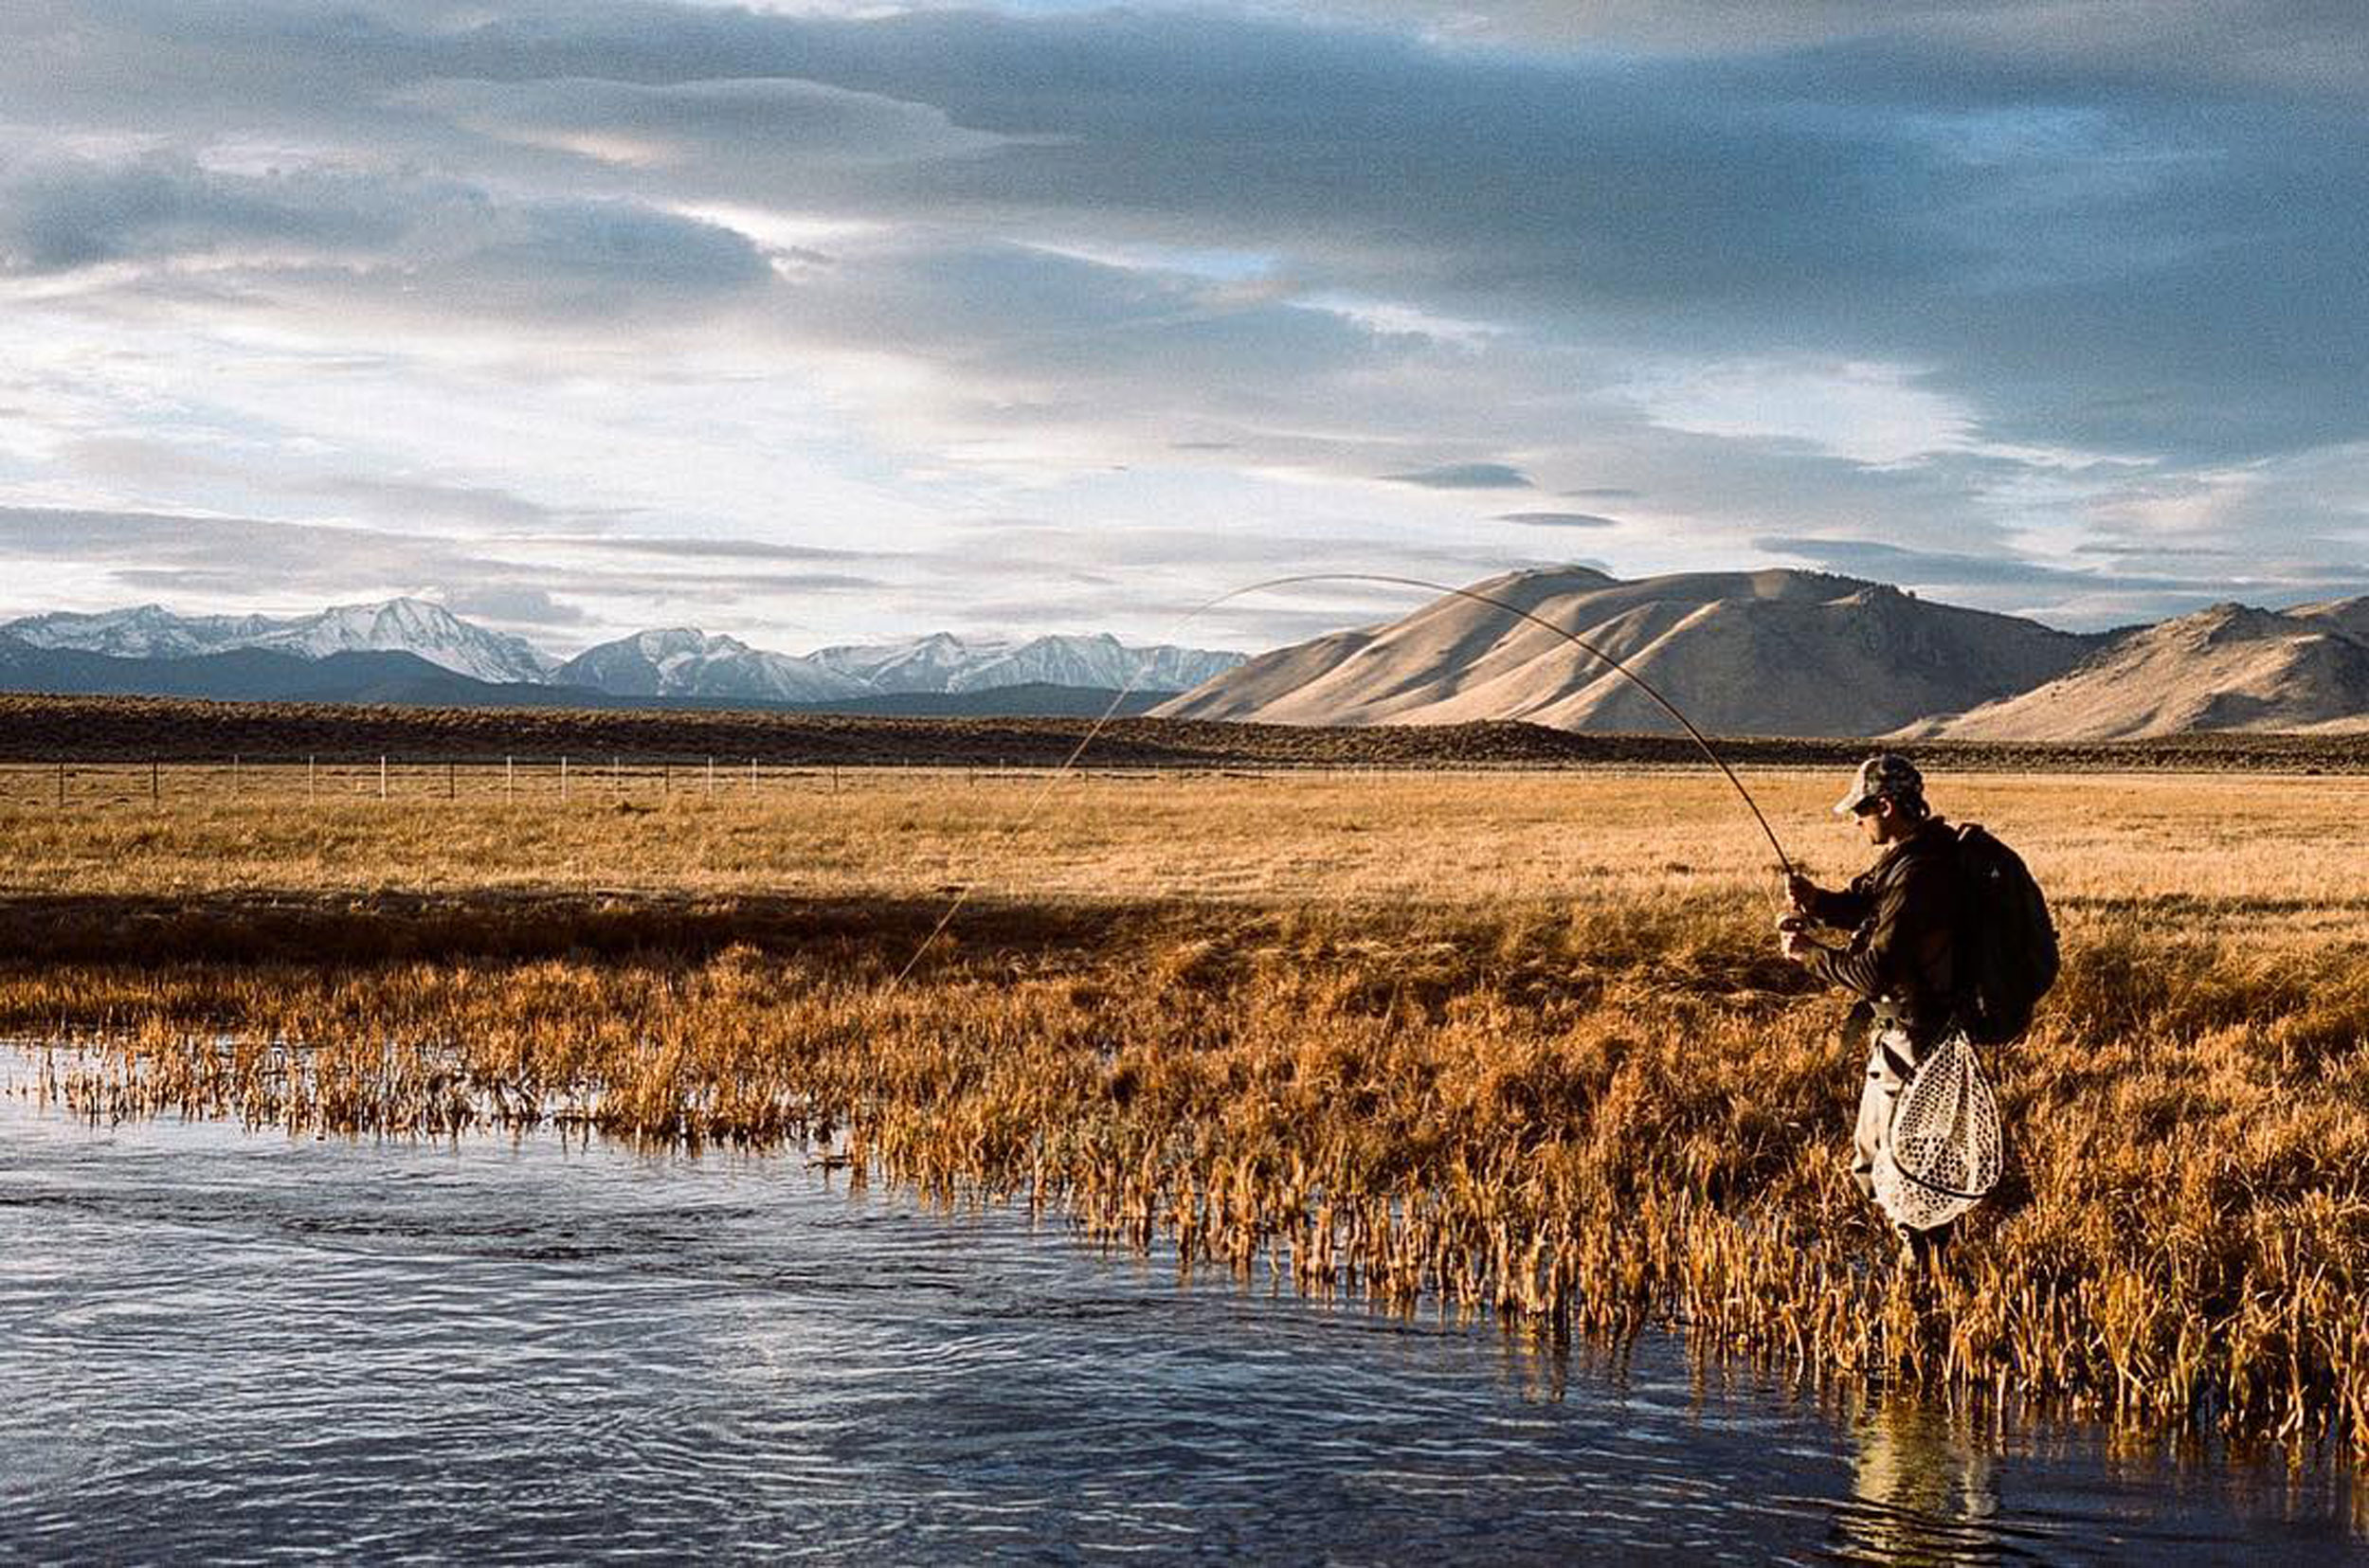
column 223, row 1345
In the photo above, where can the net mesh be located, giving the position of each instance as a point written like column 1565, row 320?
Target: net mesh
column 1942, row 1154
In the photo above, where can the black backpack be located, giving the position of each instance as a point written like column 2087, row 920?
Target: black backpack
column 2006, row 945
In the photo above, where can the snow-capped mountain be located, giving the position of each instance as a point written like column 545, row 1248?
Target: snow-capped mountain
column 1100, row 661
column 676, row 661
column 682, row 661
column 414, row 626
column 148, row 631
column 943, row 662
column 918, row 664
column 399, row 625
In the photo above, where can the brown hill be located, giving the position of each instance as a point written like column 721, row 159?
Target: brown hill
column 2227, row 668
column 1765, row 653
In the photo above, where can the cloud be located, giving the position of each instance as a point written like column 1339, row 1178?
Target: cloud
column 1558, row 519
column 700, row 549
column 2198, row 552
column 322, row 554
column 62, row 215
column 1465, row 476
column 735, row 129
column 423, row 244
column 515, row 605
column 2281, row 43
column 998, row 255
column 1015, row 316
column 2081, row 598
column 1942, row 568
column 295, row 567
column 421, row 500
column 2075, row 248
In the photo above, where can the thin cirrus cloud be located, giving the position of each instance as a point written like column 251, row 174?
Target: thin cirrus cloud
column 1945, row 568
column 2281, row 584
column 446, row 245
column 1559, row 519
column 983, row 258
column 726, row 134
column 500, row 577
column 1465, row 476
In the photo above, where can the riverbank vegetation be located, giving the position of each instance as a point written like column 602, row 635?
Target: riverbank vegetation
column 1511, row 1043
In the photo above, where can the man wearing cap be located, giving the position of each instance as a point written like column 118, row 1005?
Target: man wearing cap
column 1902, row 916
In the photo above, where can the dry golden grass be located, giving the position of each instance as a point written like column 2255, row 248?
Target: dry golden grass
column 2225, row 849
column 1515, row 1042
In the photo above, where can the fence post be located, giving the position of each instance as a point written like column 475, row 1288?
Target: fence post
column 311, row 769
column 452, row 781
column 710, row 775
column 752, row 777
column 234, row 772
column 382, row 775
column 563, row 779
column 509, row 778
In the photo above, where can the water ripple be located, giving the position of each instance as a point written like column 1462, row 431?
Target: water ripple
column 223, row 1346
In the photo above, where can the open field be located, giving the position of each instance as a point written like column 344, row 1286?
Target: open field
column 1515, row 1040
column 46, row 729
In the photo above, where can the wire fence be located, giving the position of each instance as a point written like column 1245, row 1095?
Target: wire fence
column 62, row 785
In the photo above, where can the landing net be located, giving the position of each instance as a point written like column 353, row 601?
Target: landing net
column 1944, row 1152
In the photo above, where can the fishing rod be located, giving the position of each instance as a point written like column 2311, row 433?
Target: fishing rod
column 1305, row 579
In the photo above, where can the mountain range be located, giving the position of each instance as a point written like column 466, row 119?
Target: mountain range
column 1779, row 653
column 2226, row 668
column 330, row 656
column 399, row 625
column 947, row 663
column 1806, row 653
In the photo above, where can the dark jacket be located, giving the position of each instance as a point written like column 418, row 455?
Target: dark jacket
column 1902, row 912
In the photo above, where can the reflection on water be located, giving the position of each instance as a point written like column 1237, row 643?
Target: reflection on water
column 221, row 1345
column 1923, row 1486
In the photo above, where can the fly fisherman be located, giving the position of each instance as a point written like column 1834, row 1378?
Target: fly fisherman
column 1902, row 916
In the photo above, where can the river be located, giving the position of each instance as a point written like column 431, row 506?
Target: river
column 230, row 1345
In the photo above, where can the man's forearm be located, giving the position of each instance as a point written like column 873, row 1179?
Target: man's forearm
column 1852, row 971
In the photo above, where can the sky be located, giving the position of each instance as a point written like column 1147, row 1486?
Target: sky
column 828, row 322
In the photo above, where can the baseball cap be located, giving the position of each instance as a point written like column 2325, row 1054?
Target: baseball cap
column 1886, row 773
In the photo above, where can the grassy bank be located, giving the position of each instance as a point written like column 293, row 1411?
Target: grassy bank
column 1519, row 1042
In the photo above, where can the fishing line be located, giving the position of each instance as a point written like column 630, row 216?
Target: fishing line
column 1300, row 580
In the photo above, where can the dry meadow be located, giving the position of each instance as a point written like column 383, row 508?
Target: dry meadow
column 1511, row 1042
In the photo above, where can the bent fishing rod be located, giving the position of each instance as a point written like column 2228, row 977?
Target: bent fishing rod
column 1305, row 579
